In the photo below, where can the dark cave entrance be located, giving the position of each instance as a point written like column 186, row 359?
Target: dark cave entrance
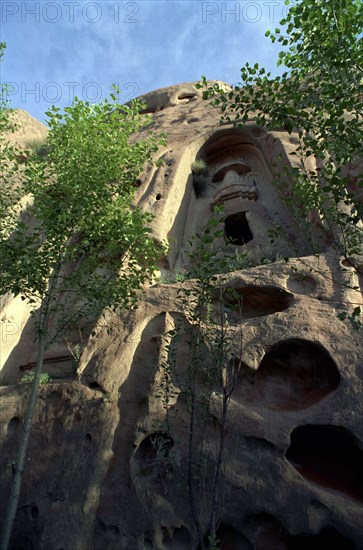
column 329, row 456
column 237, row 229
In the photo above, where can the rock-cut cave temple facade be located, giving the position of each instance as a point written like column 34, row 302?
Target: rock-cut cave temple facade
column 101, row 470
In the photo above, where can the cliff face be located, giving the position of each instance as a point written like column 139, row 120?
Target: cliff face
column 102, row 469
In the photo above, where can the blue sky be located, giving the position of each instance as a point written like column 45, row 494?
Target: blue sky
column 59, row 49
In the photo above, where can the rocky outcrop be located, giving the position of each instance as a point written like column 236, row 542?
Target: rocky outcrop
column 102, row 469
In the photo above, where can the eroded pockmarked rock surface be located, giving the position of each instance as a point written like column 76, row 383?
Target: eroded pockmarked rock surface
column 104, row 468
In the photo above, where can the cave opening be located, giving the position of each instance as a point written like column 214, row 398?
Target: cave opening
column 237, row 229
column 329, row 456
column 296, row 374
column 253, row 301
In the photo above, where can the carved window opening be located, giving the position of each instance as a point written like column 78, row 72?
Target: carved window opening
column 237, row 229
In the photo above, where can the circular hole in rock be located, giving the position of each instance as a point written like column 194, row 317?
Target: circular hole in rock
column 88, row 438
column 137, row 183
column 329, row 456
column 301, row 284
column 13, row 426
column 253, row 301
column 347, row 263
column 158, row 197
column 151, row 457
column 296, row 374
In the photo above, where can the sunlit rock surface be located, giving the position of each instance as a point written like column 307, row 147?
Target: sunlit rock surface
column 293, row 459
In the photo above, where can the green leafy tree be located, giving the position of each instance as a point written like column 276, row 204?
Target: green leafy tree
column 318, row 99
column 76, row 243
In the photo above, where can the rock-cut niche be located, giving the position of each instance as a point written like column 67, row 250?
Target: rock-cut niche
column 296, row 374
column 230, row 170
column 251, row 301
column 329, row 456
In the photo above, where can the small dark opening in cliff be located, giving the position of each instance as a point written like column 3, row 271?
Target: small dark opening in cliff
column 95, row 386
column 237, row 229
column 329, row 456
column 13, row 426
column 186, row 96
column 253, row 301
column 296, row 374
column 158, row 197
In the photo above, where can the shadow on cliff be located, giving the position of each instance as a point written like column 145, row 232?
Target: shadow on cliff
column 120, row 504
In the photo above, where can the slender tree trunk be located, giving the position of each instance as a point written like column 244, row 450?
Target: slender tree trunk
column 192, row 502
column 193, row 397
column 223, row 380
column 216, row 487
column 23, row 446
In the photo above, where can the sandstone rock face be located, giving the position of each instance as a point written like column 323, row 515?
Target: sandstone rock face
column 107, row 462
